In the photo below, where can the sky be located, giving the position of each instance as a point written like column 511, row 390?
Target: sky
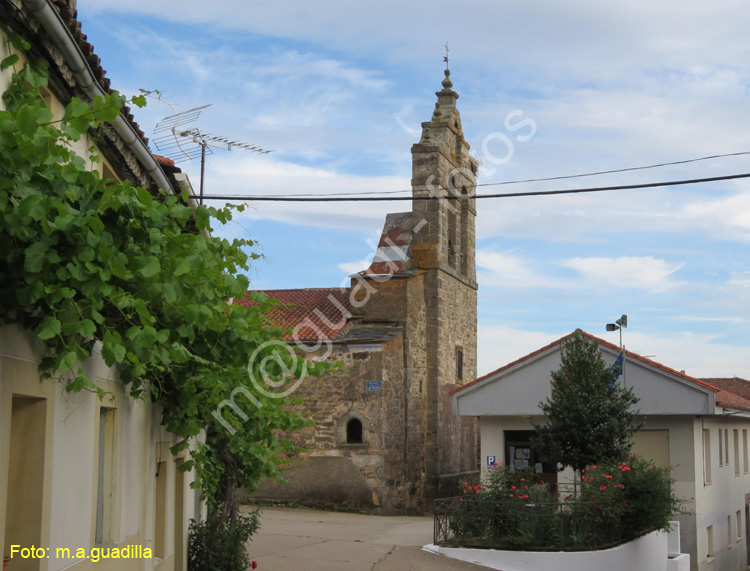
column 338, row 90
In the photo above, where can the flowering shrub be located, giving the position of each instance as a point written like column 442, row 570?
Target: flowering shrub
column 616, row 502
column 635, row 495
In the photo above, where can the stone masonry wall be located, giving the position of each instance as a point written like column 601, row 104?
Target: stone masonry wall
column 458, row 329
column 322, row 473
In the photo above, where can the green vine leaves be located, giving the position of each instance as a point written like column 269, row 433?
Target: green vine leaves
column 92, row 265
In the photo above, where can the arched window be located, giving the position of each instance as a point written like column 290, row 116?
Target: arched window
column 354, row 431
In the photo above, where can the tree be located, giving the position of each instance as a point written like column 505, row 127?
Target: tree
column 589, row 415
column 94, row 265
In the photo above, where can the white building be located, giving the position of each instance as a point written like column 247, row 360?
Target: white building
column 80, row 476
column 697, row 428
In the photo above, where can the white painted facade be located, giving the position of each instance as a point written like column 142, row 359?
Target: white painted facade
column 49, row 471
column 80, row 473
column 678, row 411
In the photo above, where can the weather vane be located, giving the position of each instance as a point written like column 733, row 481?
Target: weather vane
column 445, row 59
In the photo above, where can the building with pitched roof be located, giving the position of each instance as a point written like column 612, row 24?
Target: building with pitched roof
column 405, row 333
column 80, row 476
column 698, row 427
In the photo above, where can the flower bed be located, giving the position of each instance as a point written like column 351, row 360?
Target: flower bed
column 615, row 502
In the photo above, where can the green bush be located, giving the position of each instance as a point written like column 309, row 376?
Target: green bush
column 639, row 495
column 215, row 546
column 616, row 502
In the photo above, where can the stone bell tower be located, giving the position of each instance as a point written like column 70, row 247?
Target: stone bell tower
column 443, row 247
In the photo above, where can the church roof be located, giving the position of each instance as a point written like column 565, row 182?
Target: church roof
column 393, row 255
column 310, row 314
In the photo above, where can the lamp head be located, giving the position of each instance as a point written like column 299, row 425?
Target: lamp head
column 612, row 327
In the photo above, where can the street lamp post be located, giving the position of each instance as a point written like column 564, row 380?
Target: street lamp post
column 618, row 324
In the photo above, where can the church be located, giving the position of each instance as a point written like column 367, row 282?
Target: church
column 404, row 334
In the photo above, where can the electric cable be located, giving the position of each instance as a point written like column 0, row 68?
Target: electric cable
column 431, row 196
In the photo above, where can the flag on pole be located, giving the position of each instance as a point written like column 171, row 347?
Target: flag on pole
column 616, row 367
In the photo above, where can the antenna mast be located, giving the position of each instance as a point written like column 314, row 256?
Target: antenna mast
column 185, row 144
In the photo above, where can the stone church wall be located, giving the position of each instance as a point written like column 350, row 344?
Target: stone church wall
column 458, row 321
column 331, row 471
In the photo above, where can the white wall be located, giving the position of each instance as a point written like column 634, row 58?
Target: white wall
column 723, row 496
column 648, row 553
column 71, row 458
column 518, row 390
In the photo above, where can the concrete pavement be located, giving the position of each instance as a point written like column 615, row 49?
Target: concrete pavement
column 292, row 539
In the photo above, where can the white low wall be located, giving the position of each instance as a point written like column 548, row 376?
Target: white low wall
column 679, row 562
column 648, row 553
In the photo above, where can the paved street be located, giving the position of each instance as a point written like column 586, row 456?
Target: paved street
column 311, row 540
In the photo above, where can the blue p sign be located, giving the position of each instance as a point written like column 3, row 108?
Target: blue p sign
column 490, row 461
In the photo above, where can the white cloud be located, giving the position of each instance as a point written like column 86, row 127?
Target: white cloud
column 511, row 271
column 251, row 174
column 741, row 279
column 697, row 318
column 505, row 270
column 405, row 127
column 353, row 267
column 646, row 273
column 499, row 345
column 319, row 70
column 728, row 218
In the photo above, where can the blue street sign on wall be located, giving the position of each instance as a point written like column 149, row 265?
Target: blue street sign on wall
column 490, row 461
column 374, row 385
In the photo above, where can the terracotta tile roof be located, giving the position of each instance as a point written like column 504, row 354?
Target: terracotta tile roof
column 163, row 160
column 315, row 312
column 392, row 255
column 600, row 342
column 69, row 15
column 733, row 392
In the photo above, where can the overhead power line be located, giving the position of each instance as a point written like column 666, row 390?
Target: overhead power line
column 266, row 198
column 628, row 169
column 545, row 179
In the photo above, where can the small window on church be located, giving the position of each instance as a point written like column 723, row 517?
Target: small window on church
column 459, row 363
column 354, row 431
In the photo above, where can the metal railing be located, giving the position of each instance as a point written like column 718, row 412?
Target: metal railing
column 559, row 526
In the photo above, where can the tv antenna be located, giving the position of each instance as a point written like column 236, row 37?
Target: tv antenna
column 180, row 143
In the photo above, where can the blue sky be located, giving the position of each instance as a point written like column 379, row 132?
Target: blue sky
column 338, row 90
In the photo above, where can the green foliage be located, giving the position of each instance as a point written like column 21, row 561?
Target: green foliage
column 225, row 550
column 618, row 501
column 641, row 492
column 91, row 265
column 589, row 415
